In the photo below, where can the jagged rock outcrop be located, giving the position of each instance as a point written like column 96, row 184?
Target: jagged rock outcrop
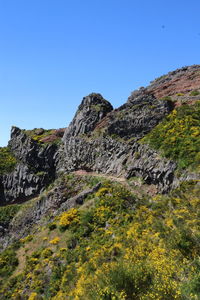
column 138, row 116
column 87, row 146
column 110, row 156
column 34, row 171
column 40, row 157
column 92, row 109
column 101, row 139
column 22, row 184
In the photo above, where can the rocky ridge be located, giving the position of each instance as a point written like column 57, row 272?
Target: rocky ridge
column 101, row 139
column 184, row 81
column 34, row 171
column 85, row 201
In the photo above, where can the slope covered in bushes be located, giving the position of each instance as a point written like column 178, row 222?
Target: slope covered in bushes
column 71, row 234
column 112, row 247
column 178, row 136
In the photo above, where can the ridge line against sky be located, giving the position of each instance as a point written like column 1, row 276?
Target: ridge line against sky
column 55, row 52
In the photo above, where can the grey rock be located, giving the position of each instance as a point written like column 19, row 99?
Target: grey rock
column 138, row 116
column 92, row 109
column 109, row 156
column 22, row 184
column 39, row 164
column 78, row 199
column 109, row 152
column 83, row 149
column 28, row 151
column 47, row 205
column 2, row 231
column 34, row 171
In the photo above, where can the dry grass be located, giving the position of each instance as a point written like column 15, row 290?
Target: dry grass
column 41, row 240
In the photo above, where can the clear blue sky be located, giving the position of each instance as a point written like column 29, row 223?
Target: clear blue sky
column 54, row 52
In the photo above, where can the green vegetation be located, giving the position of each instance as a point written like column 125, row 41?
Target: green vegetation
column 41, row 135
column 178, row 136
column 7, row 213
column 96, row 107
column 117, row 245
column 7, row 160
column 112, row 247
column 194, row 93
column 67, row 218
column 137, row 155
column 166, row 98
column 8, row 261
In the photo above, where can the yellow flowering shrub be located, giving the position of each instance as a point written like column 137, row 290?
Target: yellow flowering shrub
column 68, row 217
column 33, row 296
column 102, row 191
column 122, row 250
column 178, row 136
column 26, row 239
column 47, row 252
column 55, row 241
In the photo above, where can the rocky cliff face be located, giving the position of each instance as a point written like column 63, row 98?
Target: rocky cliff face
column 102, row 139
column 22, row 184
column 97, row 141
column 138, row 116
column 92, row 109
column 109, row 156
column 39, row 157
column 35, row 168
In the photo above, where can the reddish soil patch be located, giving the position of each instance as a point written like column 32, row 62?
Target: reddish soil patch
column 180, row 83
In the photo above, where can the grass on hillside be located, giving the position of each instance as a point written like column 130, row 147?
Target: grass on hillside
column 39, row 135
column 7, row 160
column 117, row 248
column 178, row 136
column 7, row 213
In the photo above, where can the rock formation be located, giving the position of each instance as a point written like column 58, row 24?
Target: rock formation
column 101, row 139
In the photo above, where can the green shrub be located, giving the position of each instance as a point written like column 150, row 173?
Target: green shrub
column 68, row 218
column 178, row 136
column 191, row 288
column 120, row 249
column 8, row 262
column 52, row 226
column 120, row 282
column 7, row 160
column 137, row 155
column 39, row 135
column 7, row 213
column 166, row 98
column 26, row 239
column 194, row 93
column 102, row 191
column 46, row 253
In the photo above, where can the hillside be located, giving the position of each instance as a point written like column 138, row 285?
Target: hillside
column 107, row 208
